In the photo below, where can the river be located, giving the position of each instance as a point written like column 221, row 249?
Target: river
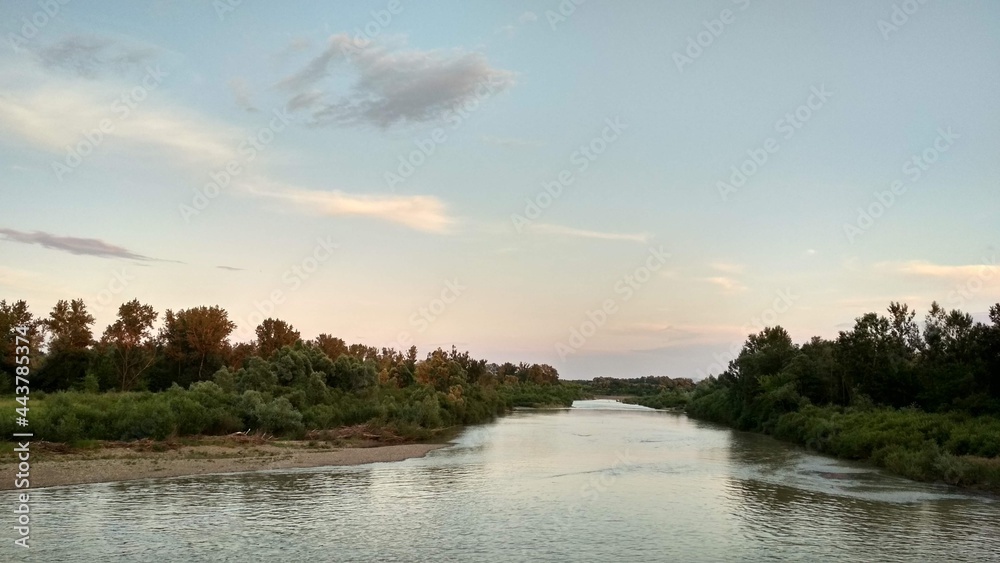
column 599, row 482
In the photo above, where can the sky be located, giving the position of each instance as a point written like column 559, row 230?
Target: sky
column 613, row 188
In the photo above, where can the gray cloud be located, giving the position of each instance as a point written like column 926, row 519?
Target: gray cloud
column 73, row 245
column 391, row 86
column 91, row 55
column 230, row 268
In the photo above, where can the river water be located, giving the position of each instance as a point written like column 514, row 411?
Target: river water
column 599, row 482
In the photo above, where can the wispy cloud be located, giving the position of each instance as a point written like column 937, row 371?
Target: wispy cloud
column 640, row 328
column 73, row 245
column 728, row 284
column 926, row 269
column 392, row 86
column 419, row 212
column 727, row 267
column 51, row 112
column 527, row 17
column 230, row 268
column 560, row 230
column 52, row 117
column 508, row 30
column 92, row 55
column 511, row 30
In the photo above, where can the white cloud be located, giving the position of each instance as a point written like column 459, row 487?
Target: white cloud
column 419, row 212
column 728, row 285
column 559, row 230
column 987, row 269
column 55, row 115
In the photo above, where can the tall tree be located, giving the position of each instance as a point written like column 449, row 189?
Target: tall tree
column 904, row 332
column 951, row 350
column 131, row 344
column 12, row 316
column 331, row 346
column 69, row 348
column 764, row 354
column 69, row 324
column 864, row 353
column 439, row 371
column 273, row 335
column 194, row 343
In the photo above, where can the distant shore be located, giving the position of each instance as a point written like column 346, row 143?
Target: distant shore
column 54, row 465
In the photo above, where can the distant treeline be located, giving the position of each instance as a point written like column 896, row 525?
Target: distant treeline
column 189, row 378
column 658, row 392
column 650, row 385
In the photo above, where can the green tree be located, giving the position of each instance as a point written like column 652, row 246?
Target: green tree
column 766, row 353
column 352, row 374
column 817, row 374
column 68, row 356
column 951, row 358
column 130, row 341
column 12, row 316
column 194, row 344
column 877, row 358
column 69, row 326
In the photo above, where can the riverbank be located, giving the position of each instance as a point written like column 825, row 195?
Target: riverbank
column 954, row 448
column 58, row 464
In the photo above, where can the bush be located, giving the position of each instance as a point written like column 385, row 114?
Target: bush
column 279, row 417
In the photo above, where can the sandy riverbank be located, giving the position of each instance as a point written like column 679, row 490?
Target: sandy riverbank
column 123, row 462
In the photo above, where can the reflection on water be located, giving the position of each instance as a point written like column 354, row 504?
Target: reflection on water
column 600, row 482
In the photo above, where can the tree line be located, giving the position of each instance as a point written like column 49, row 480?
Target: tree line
column 952, row 363
column 922, row 401
column 193, row 344
column 188, row 378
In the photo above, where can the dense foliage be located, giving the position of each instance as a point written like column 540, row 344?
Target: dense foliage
column 922, row 403
column 189, row 379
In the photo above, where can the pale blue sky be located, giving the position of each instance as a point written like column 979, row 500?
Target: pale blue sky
column 893, row 94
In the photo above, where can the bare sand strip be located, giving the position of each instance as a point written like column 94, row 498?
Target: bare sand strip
column 110, row 464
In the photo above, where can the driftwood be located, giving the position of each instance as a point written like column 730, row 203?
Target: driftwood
column 356, row 432
column 249, row 437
